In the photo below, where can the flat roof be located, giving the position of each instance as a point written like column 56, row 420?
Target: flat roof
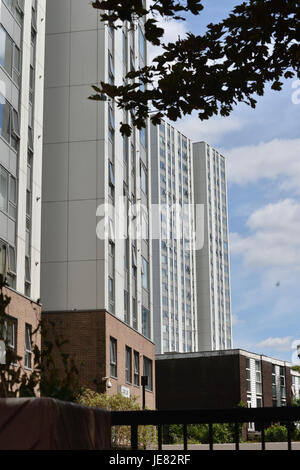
column 224, row 352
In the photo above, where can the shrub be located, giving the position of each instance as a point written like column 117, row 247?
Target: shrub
column 120, row 434
column 276, row 433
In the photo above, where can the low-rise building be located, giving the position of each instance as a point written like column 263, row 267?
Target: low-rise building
column 223, row 379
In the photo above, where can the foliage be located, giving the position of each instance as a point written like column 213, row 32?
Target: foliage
column 121, row 434
column 276, row 433
column 233, row 61
column 296, row 368
column 46, row 378
column 199, row 433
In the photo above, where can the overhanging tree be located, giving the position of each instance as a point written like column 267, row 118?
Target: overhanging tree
column 232, row 62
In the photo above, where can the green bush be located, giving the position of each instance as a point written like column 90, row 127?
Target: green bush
column 120, row 434
column 276, row 433
column 199, row 433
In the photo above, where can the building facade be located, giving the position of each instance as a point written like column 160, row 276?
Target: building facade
column 96, row 183
column 174, row 286
column 222, row 379
column 22, row 40
column 212, row 261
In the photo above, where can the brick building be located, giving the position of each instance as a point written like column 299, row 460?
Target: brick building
column 221, row 379
column 110, row 356
column 23, row 317
column 22, row 39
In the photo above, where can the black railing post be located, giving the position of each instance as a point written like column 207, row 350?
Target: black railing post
column 134, row 437
column 237, row 436
column 289, row 435
column 211, row 436
column 263, row 440
column 159, row 436
column 184, row 437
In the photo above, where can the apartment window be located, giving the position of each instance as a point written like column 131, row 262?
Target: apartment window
column 3, row 189
column 8, row 263
column 28, row 347
column 143, row 136
column 111, row 124
column 16, row 7
column 9, row 332
column 258, row 377
column 148, row 373
column 134, row 261
column 282, row 383
column 144, row 221
column 142, row 44
column 111, row 180
column 144, row 185
column 113, row 357
column 274, row 385
column 134, row 314
column 136, row 372
column 111, row 71
column 126, row 307
column 146, row 322
column 248, row 377
column 111, row 294
column 145, row 272
column 128, row 364
column 9, row 123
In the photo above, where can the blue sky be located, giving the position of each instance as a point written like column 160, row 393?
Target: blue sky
column 262, row 148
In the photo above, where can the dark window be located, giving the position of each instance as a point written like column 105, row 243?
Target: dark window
column 136, row 372
column 128, row 365
column 28, row 347
column 148, row 372
column 113, row 357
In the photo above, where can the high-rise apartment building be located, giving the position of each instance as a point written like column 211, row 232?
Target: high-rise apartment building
column 96, row 271
column 212, row 261
column 174, row 282
column 22, row 39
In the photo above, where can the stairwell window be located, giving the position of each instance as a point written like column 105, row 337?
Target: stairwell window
column 136, row 368
column 128, row 365
column 113, row 357
column 28, row 347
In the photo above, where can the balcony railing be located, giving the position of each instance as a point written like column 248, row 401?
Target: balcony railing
column 263, row 417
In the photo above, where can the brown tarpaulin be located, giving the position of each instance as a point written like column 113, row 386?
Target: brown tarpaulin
column 47, row 424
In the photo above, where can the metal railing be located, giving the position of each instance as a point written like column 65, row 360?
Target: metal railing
column 263, row 417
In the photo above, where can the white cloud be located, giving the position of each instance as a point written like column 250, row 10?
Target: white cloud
column 212, row 130
column 279, row 344
column 275, row 241
column 279, row 158
column 173, row 30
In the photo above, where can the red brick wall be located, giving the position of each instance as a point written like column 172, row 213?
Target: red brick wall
column 266, row 368
column 88, row 334
column 24, row 311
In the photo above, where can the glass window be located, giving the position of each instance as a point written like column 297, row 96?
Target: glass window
column 148, row 372
column 113, row 357
column 143, row 136
column 111, row 288
column 145, row 274
column 142, row 44
column 144, row 185
column 5, row 119
column 136, row 372
column 3, row 257
column 6, row 51
column 27, row 269
column 128, row 364
column 146, row 322
column 28, row 347
column 3, row 189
